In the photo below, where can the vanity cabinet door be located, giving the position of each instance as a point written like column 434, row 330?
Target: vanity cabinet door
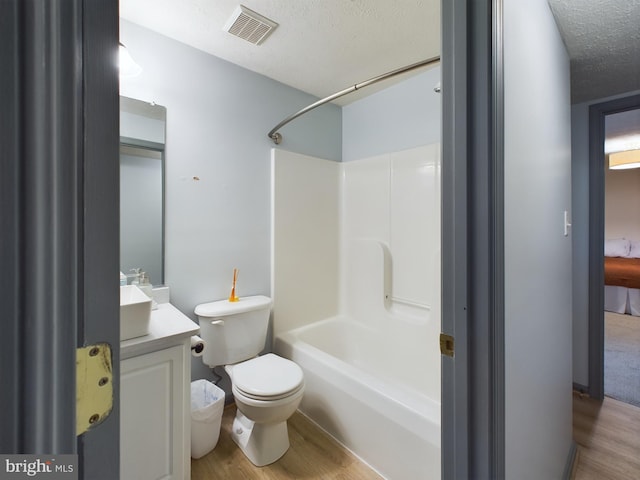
column 152, row 421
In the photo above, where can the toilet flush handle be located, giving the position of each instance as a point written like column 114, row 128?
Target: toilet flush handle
column 217, row 322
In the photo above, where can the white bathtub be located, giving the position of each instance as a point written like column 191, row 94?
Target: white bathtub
column 365, row 399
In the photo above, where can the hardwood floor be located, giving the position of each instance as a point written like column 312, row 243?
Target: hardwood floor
column 313, row 454
column 608, row 438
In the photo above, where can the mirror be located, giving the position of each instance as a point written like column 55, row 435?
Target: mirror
column 142, row 145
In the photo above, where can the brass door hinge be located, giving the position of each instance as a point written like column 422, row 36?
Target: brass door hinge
column 447, row 345
column 94, row 386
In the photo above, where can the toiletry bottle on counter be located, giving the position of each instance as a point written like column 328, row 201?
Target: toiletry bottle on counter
column 136, row 276
column 145, row 285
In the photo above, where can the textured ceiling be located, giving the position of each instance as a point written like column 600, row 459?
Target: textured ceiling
column 320, row 46
column 603, row 41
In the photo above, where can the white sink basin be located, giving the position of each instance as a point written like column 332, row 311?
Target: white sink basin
column 135, row 312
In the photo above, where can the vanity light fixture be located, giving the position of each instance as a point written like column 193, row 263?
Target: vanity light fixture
column 624, row 160
column 128, row 67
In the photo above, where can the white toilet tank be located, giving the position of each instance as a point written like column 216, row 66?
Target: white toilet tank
column 233, row 331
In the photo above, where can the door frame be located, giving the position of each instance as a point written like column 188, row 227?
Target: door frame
column 60, row 215
column 99, row 448
column 473, row 389
column 597, row 168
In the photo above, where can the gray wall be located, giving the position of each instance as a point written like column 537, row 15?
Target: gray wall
column 141, row 127
column 580, row 221
column 402, row 116
column 538, row 409
column 141, row 189
column 141, row 213
column 218, row 163
column 218, row 116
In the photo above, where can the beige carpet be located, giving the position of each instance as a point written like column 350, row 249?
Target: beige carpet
column 622, row 357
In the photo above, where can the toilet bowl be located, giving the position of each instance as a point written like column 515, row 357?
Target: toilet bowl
column 267, row 389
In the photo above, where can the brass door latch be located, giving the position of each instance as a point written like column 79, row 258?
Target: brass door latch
column 447, row 345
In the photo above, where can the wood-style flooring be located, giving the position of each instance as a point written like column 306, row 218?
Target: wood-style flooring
column 313, row 455
column 608, row 437
column 607, row 434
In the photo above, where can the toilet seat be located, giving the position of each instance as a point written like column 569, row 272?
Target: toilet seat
column 268, row 377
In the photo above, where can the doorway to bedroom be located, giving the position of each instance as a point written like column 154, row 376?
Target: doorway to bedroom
column 622, row 257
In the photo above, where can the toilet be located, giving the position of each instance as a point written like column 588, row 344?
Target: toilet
column 267, row 389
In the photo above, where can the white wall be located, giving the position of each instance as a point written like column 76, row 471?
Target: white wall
column 367, row 233
column 622, row 204
column 580, row 222
column 538, row 409
column 305, row 233
column 390, row 257
column 218, row 163
column 400, row 123
column 394, row 200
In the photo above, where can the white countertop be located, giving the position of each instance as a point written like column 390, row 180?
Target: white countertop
column 168, row 326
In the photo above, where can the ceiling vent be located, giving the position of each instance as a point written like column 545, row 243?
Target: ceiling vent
column 249, row 25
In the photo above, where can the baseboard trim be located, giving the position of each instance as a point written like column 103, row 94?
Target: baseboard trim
column 582, row 389
column 571, row 462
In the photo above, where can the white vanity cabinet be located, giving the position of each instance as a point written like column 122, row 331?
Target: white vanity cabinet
column 155, row 418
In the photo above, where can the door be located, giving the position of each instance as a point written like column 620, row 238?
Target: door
column 59, row 212
column 595, row 240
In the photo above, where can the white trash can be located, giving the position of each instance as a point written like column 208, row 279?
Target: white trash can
column 207, row 404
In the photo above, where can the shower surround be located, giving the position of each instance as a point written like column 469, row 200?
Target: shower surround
column 356, row 289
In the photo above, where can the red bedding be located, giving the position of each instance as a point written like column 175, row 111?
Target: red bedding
column 622, row 272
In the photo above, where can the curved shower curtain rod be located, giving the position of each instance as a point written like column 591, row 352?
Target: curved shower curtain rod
column 277, row 138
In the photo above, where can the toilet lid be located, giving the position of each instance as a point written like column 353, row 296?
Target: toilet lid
column 267, row 376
